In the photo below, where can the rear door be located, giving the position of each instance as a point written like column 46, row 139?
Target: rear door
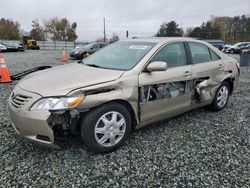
column 206, row 64
column 166, row 93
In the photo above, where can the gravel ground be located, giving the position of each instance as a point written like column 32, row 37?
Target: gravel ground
column 197, row 149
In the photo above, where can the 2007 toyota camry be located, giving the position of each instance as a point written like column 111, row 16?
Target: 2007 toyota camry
column 122, row 87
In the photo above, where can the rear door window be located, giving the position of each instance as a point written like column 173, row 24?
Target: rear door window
column 199, row 53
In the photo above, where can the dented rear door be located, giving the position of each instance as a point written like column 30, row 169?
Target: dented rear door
column 206, row 65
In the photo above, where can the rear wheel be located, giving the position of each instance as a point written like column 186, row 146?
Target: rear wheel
column 105, row 128
column 221, row 97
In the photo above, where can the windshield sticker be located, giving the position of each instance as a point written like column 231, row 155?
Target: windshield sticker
column 138, row 47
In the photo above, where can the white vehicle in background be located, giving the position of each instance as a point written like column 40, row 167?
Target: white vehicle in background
column 2, row 48
column 236, row 48
column 246, row 50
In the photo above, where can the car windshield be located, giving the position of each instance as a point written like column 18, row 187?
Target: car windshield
column 120, row 55
column 13, row 43
column 237, row 44
column 88, row 45
column 4, row 42
column 79, row 46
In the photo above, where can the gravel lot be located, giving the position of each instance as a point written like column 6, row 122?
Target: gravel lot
column 197, row 149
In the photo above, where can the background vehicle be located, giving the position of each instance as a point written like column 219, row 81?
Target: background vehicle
column 80, row 46
column 81, row 53
column 125, row 86
column 11, row 46
column 216, row 43
column 236, row 48
column 20, row 48
column 245, row 49
column 29, row 43
column 3, row 48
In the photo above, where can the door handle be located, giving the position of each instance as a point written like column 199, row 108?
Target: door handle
column 187, row 73
column 220, row 66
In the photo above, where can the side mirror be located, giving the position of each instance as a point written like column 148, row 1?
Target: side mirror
column 157, row 66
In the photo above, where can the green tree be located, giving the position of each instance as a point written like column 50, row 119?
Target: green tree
column 37, row 32
column 60, row 29
column 230, row 29
column 169, row 29
column 9, row 30
column 195, row 32
column 206, row 31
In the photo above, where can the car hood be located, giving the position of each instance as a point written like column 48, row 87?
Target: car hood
column 62, row 79
column 14, row 47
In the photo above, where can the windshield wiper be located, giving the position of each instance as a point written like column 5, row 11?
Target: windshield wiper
column 93, row 65
column 80, row 62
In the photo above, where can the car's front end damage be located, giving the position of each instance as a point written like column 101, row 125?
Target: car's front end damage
column 36, row 121
column 44, row 127
column 31, row 125
column 49, row 127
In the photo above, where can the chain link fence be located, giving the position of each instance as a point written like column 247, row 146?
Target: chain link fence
column 58, row 45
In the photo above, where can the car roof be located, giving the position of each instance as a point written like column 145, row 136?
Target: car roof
column 242, row 43
column 164, row 39
column 213, row 40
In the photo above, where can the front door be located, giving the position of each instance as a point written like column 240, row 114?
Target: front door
column 166, row 93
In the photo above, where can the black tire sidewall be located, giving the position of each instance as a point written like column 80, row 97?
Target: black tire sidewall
column 215, row 105
column 89, row 121
column 83, row 55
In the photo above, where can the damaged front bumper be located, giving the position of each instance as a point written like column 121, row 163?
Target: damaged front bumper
column 35, row 126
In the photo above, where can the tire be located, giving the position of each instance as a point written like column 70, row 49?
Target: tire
column 231, row 51
column 84, row 55
column 100, row 127
column 221, row 97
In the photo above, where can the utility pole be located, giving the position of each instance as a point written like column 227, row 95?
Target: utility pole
column 104, row 30
column 182, row 29
column 126, row 34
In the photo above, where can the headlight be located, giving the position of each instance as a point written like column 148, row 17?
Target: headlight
column 54, row 103
column 3, row 47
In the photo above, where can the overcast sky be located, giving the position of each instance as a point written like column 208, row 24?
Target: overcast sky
column 140, row 17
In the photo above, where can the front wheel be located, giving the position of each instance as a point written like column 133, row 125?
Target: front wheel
column 231, row 51
column 84, row 55
column 105, row 128
column 221, row 97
